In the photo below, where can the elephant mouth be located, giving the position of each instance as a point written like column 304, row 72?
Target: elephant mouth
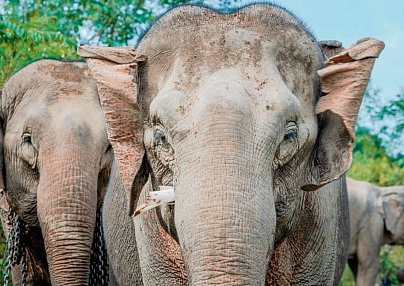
column 164, row 196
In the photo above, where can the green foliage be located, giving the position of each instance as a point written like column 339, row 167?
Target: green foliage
column 377, row 154
column 3, row 258
column 111, row 22
column 347, row 278
column 385, row 120
column 372, row 163
column 388, row 268
column 394, row 110
column 22, row 42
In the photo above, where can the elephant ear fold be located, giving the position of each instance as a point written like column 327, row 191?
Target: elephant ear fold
column 115, row 71
column 343, row 82
column 331, row 47
column 392, row 210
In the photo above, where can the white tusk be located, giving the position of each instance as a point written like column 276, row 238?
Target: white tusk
column 164, row 196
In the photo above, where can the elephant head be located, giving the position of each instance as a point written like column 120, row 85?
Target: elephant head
column 393, row 213
column 241, row 112
column 57, row 159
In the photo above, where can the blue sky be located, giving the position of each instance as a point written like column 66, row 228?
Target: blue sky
column 349, row 21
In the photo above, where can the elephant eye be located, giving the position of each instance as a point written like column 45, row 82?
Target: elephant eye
column 26, row 138
column 159, row 135
column 291, row 132
column 28, row 151
column 109, row 148
column 289, row 145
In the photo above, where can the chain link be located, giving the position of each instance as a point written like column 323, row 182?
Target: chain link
column 16, row 247
column 99, row 275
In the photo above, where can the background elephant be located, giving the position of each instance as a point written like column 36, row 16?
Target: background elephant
column 57, row 160
column 377, row 218
column 400, row 274
column 242, row 116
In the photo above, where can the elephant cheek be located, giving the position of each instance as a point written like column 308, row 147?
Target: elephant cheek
column 67, row 204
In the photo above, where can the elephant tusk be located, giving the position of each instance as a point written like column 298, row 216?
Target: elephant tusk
column 165, row 195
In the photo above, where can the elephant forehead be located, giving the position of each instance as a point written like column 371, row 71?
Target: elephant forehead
column 231, row 90
column 236, row 46
column 80, row 118
column 254, row 40
column 194, row 29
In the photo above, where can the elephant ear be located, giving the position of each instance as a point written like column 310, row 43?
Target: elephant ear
column 331, row 47
column 2, row 170
column 392, row 209
column 343, row 82
column 115, row 71
column 4, row 206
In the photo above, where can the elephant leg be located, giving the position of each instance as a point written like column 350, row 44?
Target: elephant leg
column 119, row 234
column 369, row 244
column 367, row 274
column 368, row 265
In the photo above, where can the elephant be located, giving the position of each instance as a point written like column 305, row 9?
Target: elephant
column 377, row 218
column 56, row 159
column 253, row 127
column 400, row 274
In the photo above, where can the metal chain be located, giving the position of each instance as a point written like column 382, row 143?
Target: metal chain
column 99, row 275
column 10, row 244
column 16, row 247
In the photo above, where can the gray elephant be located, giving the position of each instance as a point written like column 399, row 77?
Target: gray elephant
column 57, row 160
column 400, row 274
column 253, row 127
column 377, row 218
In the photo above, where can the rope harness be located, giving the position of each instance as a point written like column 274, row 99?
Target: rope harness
column 16, row 253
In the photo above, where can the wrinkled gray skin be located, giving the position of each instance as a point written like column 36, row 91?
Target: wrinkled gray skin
column 57, row 160
column 377, row 218
column 230, row 123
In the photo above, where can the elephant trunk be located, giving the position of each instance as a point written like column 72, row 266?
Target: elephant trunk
column 224, row 215
column 67, row 202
